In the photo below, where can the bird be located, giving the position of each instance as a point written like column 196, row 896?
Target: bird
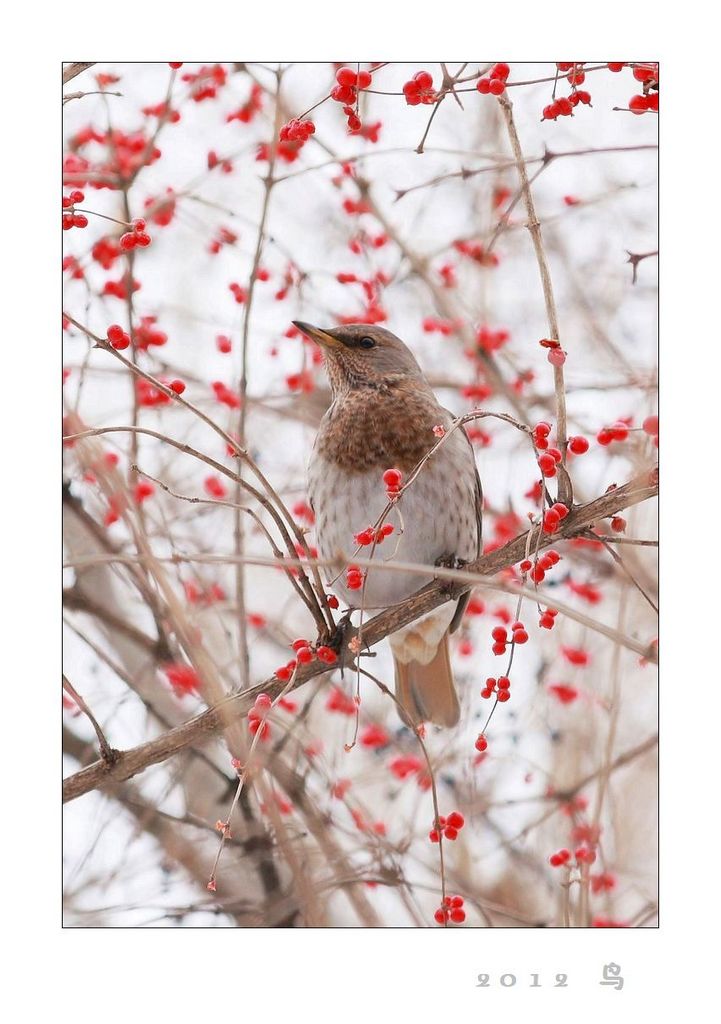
column 384, row 415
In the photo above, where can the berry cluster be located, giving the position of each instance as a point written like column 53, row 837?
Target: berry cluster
column 419, row 89
column 447, row 827
column 540, row 435
column 257, row 714
column 495, row 82
column 340, row 702
column 641, row 104
column 148, row 395
column 563, row 106
column 537, row 570
column 450, row 910
column 548, row 461
column 105, row 252
column 371, row 536
column 560, row 858
column 71, row 219
column 393, row 479
column 348, row 84
column 305, row 653
column 500, row 637
column 502, row 689
column 618, row 431
column 547, row 619
column 647, row 101
column 297, row 130
column 489, row 340
column 118, row 337
column 137, row 237
column 552, row 517
column 206, row 82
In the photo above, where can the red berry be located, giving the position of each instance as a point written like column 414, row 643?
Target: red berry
column 496, row 87
column 638, row 104
column 504, row 683
column 304, row 655
column 499, row 634
column 551, row 521
column 650, row 425
column 616, row 65
column 456, row 820
column 501, row 70
column 484, row 86
column 115, row 333
column 481, row 744
column 345, row 77
column 564, row 106
column 392, row 478
column 364, row 79
column 578, row 445
column 547, row 464
column 178, row 386
column 504, row 695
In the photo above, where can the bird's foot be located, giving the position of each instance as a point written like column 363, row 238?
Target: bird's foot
column 450, row 562
column 342, row 639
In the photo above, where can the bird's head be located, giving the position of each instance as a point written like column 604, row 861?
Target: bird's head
column 362, row 355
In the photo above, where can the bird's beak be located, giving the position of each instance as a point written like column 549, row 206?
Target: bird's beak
column 323, row 338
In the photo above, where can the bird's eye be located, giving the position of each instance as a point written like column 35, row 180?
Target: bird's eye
column 367, row 343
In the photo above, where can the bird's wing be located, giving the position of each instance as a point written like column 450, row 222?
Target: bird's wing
column 463, row 600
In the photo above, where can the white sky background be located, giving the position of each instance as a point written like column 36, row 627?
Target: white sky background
column 188, row 289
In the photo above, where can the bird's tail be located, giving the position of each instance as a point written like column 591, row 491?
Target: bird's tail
column 426, row 692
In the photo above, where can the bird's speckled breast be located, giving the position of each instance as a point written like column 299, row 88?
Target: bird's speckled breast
column 436, row 516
